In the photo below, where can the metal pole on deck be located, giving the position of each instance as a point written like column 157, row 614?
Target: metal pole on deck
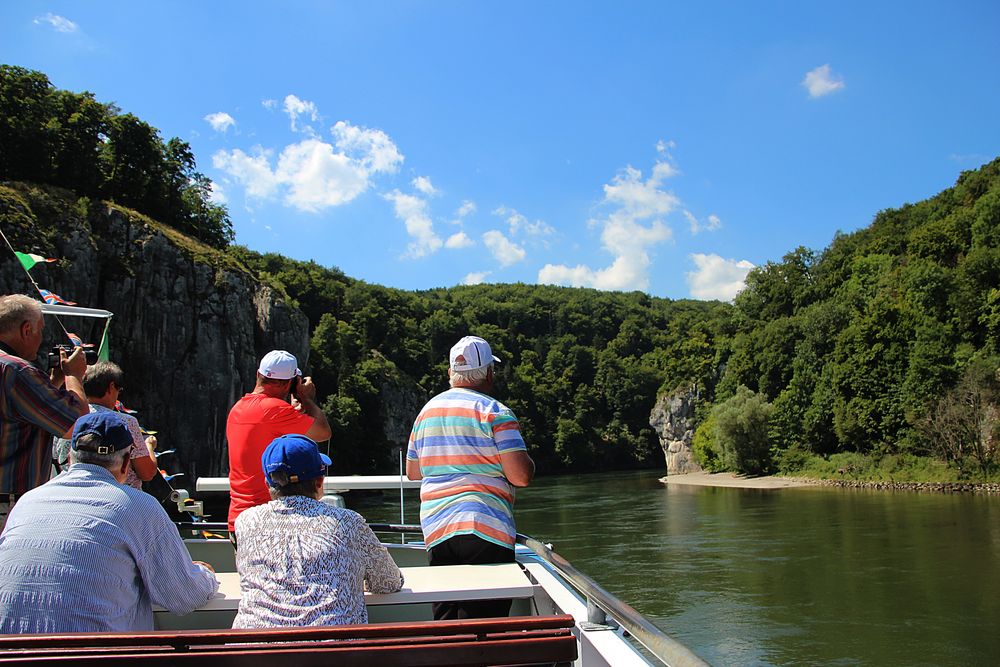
column 402, row 513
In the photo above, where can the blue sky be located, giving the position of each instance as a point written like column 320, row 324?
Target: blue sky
column 660, row 146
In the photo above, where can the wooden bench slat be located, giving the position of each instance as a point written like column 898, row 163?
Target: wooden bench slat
column 526, row 640
column 517, row 651
column 371, row 630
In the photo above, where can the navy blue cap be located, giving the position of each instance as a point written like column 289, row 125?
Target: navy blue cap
column 108, row 426
column 295, row 455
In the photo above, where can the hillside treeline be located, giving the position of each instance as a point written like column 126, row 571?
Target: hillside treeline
column 68, row 139
column 884, row 344
column 581, row 368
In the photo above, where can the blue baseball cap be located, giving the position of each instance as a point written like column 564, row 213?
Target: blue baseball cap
column 295, row 455
column 108, row 426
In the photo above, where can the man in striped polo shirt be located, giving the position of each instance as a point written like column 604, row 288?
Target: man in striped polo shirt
column 468, row 450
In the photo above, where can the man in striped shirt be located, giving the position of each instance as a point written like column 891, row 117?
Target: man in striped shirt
column 468, row 450
column 32, row 408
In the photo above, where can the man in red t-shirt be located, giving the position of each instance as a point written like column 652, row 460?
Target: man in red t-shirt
column 281, row 403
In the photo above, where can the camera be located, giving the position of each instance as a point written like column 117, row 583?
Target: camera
column 91, row 355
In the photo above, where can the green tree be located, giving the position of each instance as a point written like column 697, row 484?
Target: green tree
column 742, row 426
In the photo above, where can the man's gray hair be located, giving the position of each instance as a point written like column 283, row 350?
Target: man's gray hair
column 15, row 309
column 112, row 461
column 469, row 378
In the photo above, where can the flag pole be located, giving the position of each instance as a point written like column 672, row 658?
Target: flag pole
column 37, row 288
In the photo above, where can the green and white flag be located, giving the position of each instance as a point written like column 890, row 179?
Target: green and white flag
column 28, row 260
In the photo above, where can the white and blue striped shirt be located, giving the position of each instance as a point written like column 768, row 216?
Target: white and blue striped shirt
column 83, row 553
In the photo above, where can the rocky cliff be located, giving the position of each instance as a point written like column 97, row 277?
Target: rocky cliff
column 672, row 417
column 189, row 322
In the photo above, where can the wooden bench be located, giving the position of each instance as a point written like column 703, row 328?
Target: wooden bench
column 518, row 640
column 422, row 586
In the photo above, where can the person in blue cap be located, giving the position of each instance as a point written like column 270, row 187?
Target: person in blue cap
column 301, row 561
column 87, row 553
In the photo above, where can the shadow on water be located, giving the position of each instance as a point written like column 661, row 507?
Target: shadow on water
column 780, row 577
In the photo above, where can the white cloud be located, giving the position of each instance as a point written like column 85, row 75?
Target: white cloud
column 216, row 194
column 712, row 223
column 220, row 121
column 413, row 212
column 458, row 240
column 475, row 277
column 467, row 208
column 504, row 251
column 626, row 234
column 822, row 81
column 252, row 171
column 519, row 224
column 717, row 278
column 317, row 177
column 58, row 23
column 295, row 107
column 270, row 105
column 312, row 174
column 423, row 184
column 373, row 148
column 664, row 147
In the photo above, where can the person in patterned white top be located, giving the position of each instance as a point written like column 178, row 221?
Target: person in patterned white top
column 104, row 382
column 302, row 562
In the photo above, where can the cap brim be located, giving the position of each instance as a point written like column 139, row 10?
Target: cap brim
column 325, row 459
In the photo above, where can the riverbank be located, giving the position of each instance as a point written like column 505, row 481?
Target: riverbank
column 728, row 479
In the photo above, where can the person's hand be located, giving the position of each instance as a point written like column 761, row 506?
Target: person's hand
column 151, row 443
column 56, row 376
column 75, row 365
column 204, row 565
column 306, row 390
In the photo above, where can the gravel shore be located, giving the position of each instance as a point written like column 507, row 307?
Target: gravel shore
column 728, row 479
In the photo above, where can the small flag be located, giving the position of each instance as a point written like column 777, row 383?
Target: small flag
column 159, row 454
column 209, row 535
column 170, row 477
column 145, row 432
column 53, row 299
column 28, row 259
column 120, row 407
column 103, row 353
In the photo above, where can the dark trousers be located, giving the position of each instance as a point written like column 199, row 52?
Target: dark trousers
column 470, row 550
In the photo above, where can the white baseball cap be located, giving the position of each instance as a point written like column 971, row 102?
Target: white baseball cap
column 470, row 353
column 279, row 365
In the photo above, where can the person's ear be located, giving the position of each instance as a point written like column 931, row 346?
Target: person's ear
column 125, row 464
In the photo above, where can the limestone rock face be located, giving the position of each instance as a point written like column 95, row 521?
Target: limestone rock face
column 672, row 418
column 189, row 326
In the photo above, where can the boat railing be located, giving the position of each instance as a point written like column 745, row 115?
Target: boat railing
column 600, row 603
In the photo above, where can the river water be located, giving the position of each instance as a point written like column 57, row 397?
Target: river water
column 800, row 576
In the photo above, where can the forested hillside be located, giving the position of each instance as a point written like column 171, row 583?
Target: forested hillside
column 885, row 343
column 581, row 368
column 71, row 140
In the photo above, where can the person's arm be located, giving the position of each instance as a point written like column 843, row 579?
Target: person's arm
column 382, row 575
column 413, row 470
column 142, row 461
column 173, row 580
column 73, row 368
column 36, row 400
column 518, row 467
column 305, row 395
